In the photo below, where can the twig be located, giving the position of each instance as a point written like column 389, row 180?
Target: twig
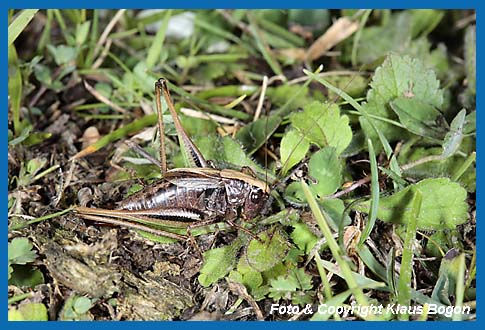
column 103, row 55
column 261, row 98
column 103, row 99
column 107, row 30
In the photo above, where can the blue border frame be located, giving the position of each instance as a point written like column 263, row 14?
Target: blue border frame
column 448, row 4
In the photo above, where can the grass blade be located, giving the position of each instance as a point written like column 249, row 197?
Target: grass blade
column 19, row 24
column 374, row 204
column 404, row 286
column 157, row 45
column 334, row 247
column 121, row 132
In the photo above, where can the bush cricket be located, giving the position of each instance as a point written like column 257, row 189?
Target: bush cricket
column 185, row 197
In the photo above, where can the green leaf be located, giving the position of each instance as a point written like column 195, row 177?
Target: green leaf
column 404, row 76
column 441, row 168
column 325, row 170
column 20, row 251
column 470, row 123
column 82, row 31
column 304, row 280
column 255, row 134
column 63, row 54
column 322, row 125
column 28, row 312
column 443, row 205
column 398, row 77
column 454, row 137
column 218, row 263
column 335, row 209
column 264, row 255
column 82, row 305
column 282, row 287
column 303, row 237
column 25, row 276
column 293, row 149
column 226, row 150
column 294, row 193
column 377, row 41
column 449, row 268
column 285, row 286
column 425, row 20
column 417, row 116
column 282, row 94
column 19, row 24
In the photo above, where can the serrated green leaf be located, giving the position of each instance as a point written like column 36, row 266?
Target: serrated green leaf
column 443, row 206
column 304, row 280
column 324, row 167
column 404, row 76
column 321, row 124
column 282, row 287
column 399, row 76
column 417, row 116
column 264, row 255
column 218, row 263
column 454, row 137
column 226, row 150
column 20, row 251
column 293, row 149
column 28, row 312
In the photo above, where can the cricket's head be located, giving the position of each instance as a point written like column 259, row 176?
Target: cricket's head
column 247, row 191
column 254, row 202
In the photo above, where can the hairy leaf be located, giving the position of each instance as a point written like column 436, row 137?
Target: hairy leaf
column 264, row 255
column 443, row 205
column 218, row 263
column 322, row 124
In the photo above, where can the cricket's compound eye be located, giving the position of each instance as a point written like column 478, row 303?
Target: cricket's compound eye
column 256, row 196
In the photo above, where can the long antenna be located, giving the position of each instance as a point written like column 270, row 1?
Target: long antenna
column 161, row 129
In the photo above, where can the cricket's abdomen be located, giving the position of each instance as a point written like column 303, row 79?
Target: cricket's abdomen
column 165, row 195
